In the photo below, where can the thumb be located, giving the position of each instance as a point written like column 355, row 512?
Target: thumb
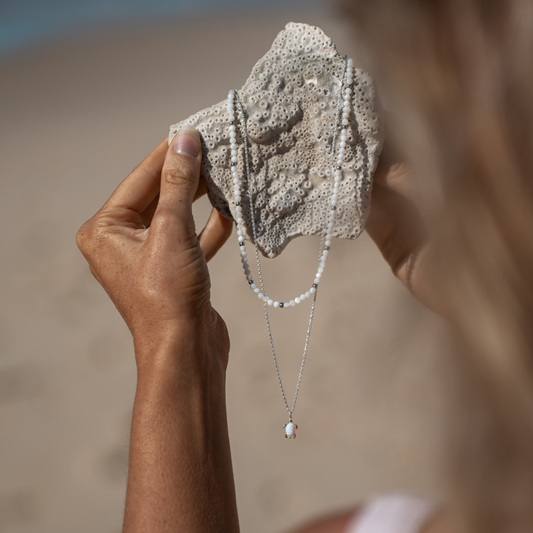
column 179, row 180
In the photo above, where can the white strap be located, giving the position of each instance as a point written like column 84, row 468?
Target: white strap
column 392, row 514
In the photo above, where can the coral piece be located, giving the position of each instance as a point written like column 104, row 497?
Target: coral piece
column 293, row 100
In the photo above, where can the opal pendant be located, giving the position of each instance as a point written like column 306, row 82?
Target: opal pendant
column 290, row 430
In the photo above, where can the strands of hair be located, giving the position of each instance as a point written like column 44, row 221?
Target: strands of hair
column 458, row 76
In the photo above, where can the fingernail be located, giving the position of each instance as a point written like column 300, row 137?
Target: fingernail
column 186, row 142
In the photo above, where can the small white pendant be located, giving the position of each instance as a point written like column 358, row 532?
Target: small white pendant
column 290, row 430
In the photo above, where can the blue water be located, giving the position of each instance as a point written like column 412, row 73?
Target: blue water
column 25, row 23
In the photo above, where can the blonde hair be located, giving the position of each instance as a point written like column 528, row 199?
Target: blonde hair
column 459, row 76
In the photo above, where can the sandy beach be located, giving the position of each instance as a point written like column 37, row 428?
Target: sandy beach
column 77, row 116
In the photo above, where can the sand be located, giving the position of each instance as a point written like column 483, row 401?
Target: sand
column 77, row 116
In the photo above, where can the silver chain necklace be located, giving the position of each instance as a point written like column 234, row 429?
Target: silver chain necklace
column 327, row 224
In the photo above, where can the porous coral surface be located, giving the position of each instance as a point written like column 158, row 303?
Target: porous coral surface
column 293, row 100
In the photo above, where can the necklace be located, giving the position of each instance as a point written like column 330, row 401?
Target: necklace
column 327, row 225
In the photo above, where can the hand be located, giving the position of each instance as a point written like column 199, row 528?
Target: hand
column 142, row 247
column 396, row 224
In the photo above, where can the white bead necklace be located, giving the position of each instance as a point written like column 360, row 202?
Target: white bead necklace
column 327, row 230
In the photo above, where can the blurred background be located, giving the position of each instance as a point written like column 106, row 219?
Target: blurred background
column 87, row 89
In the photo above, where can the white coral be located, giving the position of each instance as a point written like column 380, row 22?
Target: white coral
column 293, row 99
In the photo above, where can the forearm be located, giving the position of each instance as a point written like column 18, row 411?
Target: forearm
column 180, row 474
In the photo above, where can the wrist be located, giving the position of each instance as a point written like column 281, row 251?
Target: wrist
column 180, row 475
column 181, row 351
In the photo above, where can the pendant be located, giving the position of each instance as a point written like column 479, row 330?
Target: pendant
column 290, row 430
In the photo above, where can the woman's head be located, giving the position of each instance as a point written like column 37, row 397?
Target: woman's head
column 457, row 78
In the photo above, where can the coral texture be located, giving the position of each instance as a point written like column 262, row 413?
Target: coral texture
column 293, row 100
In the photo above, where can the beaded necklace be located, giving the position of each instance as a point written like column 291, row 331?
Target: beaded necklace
column 327, row 225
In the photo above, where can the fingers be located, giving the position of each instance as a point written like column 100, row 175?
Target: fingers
column 393, row 172
column 397, row 229
column 201, row 190
column 215, row 234
column 398, row 177
column 179, row 184
column 140, row 188
column 148, row 213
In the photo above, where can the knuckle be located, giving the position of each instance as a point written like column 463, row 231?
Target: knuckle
column 183, row 173
column 89, row 238
column 163, row 213
column 83, row 236
column 391, row 174
column 397, row 170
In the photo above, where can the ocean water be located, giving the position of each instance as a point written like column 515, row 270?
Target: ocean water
column 26, row 23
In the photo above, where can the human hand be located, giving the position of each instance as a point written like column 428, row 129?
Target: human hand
column 142, row 248
column 398, row 227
